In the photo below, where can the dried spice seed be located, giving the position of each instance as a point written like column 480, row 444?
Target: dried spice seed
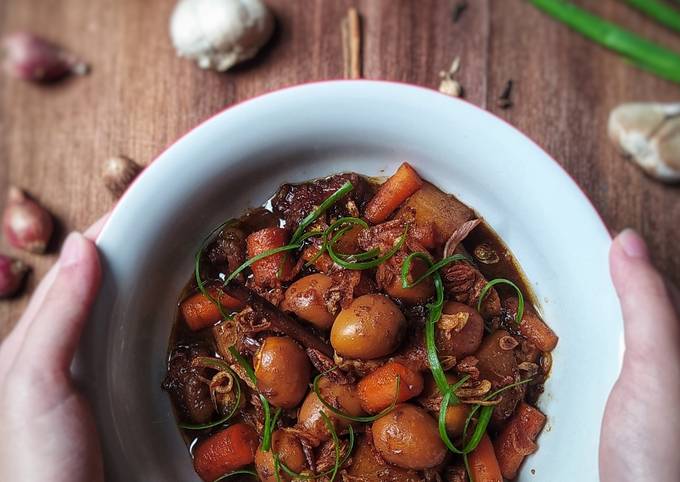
column 458, row 10
column 504, row 101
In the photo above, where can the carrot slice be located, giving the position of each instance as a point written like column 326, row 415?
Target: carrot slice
column 533, row 328
column 225, row 451
column 266, row 271
column 392, row 193
column 377, row 389
column 200, row 312
column 517, row 439
column 483, row 463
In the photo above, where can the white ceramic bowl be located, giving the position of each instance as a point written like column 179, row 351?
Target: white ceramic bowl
column 238, row 158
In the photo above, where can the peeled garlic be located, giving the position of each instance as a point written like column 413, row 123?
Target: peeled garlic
column 649, row 133
column 220, row 33
column 448, row 84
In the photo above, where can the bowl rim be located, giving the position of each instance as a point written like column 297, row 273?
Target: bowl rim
column 480, row 110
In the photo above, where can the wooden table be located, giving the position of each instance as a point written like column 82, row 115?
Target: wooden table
column 140, row 96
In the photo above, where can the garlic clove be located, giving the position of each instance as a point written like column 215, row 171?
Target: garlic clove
column 12, row 273
column 450, row 87
column 29, row 57
column 218, row 34
column 25, row 223
column 649, row 134
column 118, row 174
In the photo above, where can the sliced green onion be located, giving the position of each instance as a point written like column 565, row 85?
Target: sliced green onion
column 346, row 220
column 269, row 423
column 485, row 417
column 244, row 363
column 503, row 281
column 197, row 267
column 236, row 472
column 346, row 416
column 406, row 266
column 659, row 11
column 361, row 265
column 266, row 431
column 467, row 468
column 644, row 53
column 258, row 257
column 223, row 366
column 449, row 398
column 296, row 475
column 323, row 207
column 267, row 435
column 371, row 253
column 279, row 271
column 434, row 312
column 336, row 443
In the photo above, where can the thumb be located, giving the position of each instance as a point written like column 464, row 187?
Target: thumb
column 650, row 322
column 54, row 332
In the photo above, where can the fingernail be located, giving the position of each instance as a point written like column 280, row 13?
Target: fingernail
column 633, row 244
column 72, row 251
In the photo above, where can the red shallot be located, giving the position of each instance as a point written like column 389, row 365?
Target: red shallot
column 25, row 223
column 30, row 57
column 12, row 273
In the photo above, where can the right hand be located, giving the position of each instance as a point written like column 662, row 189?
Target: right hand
column 641, row 427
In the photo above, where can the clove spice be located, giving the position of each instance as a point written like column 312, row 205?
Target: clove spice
column 458, row 10
column 350, row 28
column 504, row 101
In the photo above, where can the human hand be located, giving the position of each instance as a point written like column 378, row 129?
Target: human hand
column 641, row 426
column 47, row 431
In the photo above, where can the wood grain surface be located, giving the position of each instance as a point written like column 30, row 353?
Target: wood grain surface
column 140, row 97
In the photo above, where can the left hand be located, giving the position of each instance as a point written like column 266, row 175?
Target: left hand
column 48, row 431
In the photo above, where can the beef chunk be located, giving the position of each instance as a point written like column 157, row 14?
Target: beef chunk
column 190, row 394
column 294, row 201
column 228, row 250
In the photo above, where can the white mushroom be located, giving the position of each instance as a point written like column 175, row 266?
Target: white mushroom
column 649, row 133
column 220, row 33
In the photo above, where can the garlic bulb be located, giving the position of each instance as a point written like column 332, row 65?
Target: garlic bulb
column 220, row 33
column 650, row 134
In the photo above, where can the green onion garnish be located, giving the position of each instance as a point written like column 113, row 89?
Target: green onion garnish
column 257, row 257
column 197, row 267
column 268, row 426
column 644, row 53
column 406, row 266
column 659, row 11
column 323, row 207
column 484, row 417
column 244, row 363
column 336, row 443
column 346, row 416
column 361, row 265
column 448, row 399
column 236, row 472
column 222, row 366
column 330, row 229
column 296, row 475
column 499, row 281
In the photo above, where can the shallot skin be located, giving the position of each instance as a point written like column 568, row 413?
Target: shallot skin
column 25, row 224
column 12, row 273
column 33, row 58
